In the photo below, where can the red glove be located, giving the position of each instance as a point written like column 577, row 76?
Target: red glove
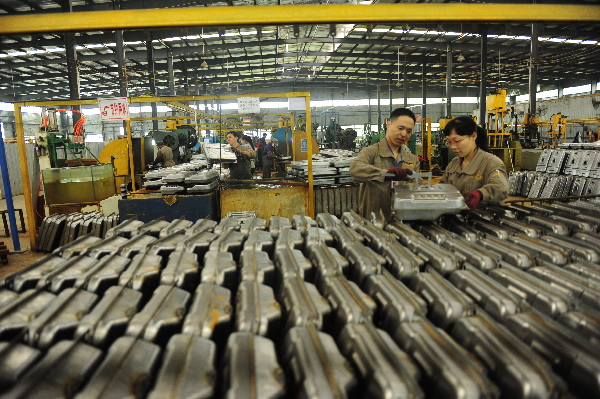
column 472, row 199
column 399, row 174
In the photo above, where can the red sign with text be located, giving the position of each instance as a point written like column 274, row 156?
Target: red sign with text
column 112, row 109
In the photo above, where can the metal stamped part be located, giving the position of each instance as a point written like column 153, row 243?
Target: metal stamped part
column 161, row 317
column 303, row 305
column 572, row 358
column 318, row 369
column 490, row 295
column 534, row 291
column 16, row 315
column 143, row 273
column 349, row 303
column 209, row 315
column 396, row 303
column 449, row 371
column 445, row 303
column 256, row 266
column 517, row 370
column 219, row 268
column 128, row 367
column 251, row 368
column 61, row 372
column 15, row 360
column 109, row 318
column 61, row 318
column 257, row 311
column 188, row 369
column 181, row 271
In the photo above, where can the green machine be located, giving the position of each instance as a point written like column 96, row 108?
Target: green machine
column 52, row 146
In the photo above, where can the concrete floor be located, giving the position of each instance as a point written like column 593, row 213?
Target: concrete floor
column 17, row 261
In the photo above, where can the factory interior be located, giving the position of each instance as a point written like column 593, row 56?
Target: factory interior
column 136, row 261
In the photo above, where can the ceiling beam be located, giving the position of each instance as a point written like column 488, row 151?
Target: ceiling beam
column 296, row 14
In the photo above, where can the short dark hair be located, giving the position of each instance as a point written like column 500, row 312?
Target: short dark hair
column 403, row 111
column 465, row 126
column 235, row 134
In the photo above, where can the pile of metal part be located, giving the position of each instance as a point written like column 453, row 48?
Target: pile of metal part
column 561, row 172
column 60, row 229
column 503, row 302
column 330, row 167
column 194, row 177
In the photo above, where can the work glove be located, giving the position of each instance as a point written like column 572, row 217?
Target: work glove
column 472, row 199
column 399, row 174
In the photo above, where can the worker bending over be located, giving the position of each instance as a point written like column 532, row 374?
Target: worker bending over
column 164, row 155
column 389, row 157
column 477, row 174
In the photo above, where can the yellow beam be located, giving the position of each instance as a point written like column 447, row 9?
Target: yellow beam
column 311, row 187
column 295, row 14
column 130, row 148
column 25, row 175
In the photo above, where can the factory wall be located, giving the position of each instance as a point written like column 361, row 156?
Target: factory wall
column 14, row 169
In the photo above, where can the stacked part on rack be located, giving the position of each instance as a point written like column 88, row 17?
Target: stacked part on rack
column 500, row 302
column 559, row 173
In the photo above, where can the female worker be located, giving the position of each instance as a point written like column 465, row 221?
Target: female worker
column 477, row 174
column 247, row 140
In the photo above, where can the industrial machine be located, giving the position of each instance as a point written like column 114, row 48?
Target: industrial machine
column 292, row 142
column 53, row 146
column 181, row 139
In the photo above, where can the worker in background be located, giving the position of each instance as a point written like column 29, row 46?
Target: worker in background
column 164, row 155
column 240, row 170
column 386, row 157
column 260, row 149
column 477, row 174
column 247, row 140
column 270, row 157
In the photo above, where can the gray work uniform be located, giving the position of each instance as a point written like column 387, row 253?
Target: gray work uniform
column 374, row 192
column 165, row 155
column 241, row 169
column 486, row 173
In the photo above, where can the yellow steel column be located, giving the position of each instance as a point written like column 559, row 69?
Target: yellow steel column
column 311, row 191
column 25, row 174
column 130, row 146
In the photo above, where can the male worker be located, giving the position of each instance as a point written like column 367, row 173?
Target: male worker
column 386, row 157
column 164, row 155
column 241, row 169
column 270, row 157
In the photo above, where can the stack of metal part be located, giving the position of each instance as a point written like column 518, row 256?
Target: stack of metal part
column 329, row 168
column 562, row 172
column 60, row 229
column 194, row 177
column 502, row 303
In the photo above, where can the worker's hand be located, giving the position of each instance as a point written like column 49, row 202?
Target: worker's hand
column 472, row 199
column 399, row 174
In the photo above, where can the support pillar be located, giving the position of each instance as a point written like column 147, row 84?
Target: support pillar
column 533, row 69
column 151, row 76
column 561, row 86
column 390, row 95
column 378, row 108
column 121, row 66
column 405, row 81
column 483, row 77
column 423, row 82
column 449, row 80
